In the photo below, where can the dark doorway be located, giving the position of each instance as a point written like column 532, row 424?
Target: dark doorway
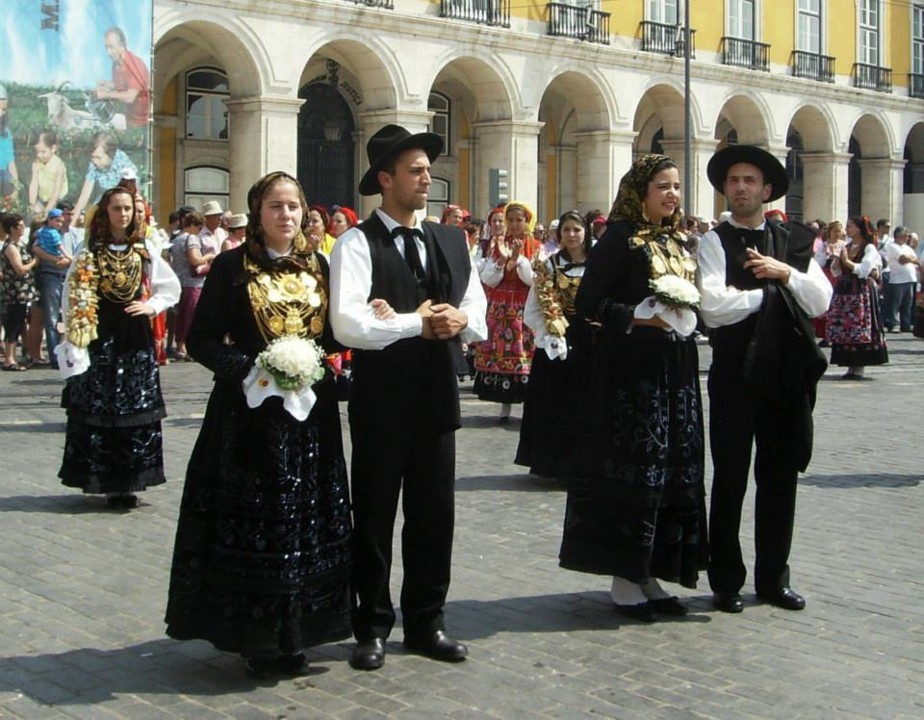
column 325, row 147
column 854, row 179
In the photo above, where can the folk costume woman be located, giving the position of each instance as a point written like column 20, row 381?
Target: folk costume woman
column 114, row 289
column 261, row 563
column 637, row 511
column 502, row 362
column 855, row 328
column 547, row 431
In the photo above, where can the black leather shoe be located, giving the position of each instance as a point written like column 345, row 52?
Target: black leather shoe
column 642, row 611
column 785, row 598
column 368, row 654
column 668, row 606
column 728, row 602
column 437, row 646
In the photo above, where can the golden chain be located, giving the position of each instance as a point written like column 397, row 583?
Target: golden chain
column 287, row 303
column 119, row 274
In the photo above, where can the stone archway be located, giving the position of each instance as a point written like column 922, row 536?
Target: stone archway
column 814, row 170
column 913, row 180
column 326, row 147
column 870, row 180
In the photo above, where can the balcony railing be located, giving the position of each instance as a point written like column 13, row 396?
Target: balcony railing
column 872, row 77
column 579, row 22
column 386, row 4
column 916, row 85
column 486, row 12
column 745, row 53
column 813, row 66
column 667, row 39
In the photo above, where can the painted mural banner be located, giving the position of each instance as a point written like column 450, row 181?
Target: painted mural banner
column 75, row 100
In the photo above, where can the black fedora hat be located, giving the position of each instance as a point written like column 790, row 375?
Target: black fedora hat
column 773, row 170
column 388, row 142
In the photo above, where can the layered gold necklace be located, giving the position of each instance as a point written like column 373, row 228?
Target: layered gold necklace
column 290, row 302
column 120, row 273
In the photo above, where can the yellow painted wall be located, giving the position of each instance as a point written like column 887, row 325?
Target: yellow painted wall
column 778, row 29
column 898, row 41
column 708, row 20
column 165, row 147
column 842, row 35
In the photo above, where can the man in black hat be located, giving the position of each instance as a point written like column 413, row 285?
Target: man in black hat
column 404, row 404
column 759, row 287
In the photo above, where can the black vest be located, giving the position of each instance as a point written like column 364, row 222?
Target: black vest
column 413, row 376
column 773, row 351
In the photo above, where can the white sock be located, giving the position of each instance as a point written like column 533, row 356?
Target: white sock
column 505, row 409
column 626, row 592
column 653, row 590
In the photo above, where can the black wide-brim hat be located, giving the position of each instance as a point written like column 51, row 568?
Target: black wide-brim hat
column 773, row 170
column 388, row 142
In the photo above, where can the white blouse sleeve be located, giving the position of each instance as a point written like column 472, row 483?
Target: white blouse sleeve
column 165, row 285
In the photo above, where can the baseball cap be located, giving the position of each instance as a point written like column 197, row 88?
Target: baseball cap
column 128, row 174
column 54, row 213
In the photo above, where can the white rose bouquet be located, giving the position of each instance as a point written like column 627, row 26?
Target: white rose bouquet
column 287, row 368
column 293, row 362
column 675, row 292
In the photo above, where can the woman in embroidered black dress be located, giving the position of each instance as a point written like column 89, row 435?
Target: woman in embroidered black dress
column 114, row 443
column 637, row 509
column 261, row 563
column 547, row 430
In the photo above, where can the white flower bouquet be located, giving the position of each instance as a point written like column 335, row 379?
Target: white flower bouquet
column 287, row 368
column 675, row 292
column 294, row 363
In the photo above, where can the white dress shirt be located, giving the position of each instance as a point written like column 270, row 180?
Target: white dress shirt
column 723, row 305
column 353, row 320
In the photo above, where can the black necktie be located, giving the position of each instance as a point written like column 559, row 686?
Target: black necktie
column 411, row 256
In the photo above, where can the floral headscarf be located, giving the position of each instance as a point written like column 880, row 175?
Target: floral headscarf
column 633, row 187
column 664, row 242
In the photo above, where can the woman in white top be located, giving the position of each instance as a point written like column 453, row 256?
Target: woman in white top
column 855, row 329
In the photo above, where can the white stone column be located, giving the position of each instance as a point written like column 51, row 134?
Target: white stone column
column 264, row 138
column 566, row 186
column 603, row 157
column 700, row 194
column 413, row 121
column 510, row 145
column 825, row 185
column 881, row 186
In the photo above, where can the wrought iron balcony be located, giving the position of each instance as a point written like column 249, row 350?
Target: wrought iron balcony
column 485, row 12
column 745, row 53
column 813, row 66
column 584, row 23
column 916, row 85
column 385, row 4
column 667, row 39
column 872, row 77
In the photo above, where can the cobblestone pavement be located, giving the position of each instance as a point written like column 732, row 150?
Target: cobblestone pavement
column 82, row 590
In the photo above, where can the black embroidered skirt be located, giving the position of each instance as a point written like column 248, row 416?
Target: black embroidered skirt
column 113, row 440
column 262, row 558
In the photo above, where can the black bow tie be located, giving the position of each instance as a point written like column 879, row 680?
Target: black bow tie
column 407, row 232
column 411, row 255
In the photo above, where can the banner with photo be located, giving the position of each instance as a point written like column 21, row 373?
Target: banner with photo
column 75, row 100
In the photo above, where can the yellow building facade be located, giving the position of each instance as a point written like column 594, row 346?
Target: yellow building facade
column 561, row 95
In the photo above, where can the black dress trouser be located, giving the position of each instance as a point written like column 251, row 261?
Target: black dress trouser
column 420, row 464
column 739, row 419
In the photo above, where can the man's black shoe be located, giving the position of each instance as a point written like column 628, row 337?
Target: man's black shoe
column 368, row 654
column 785, row 598
column 438, row 646
column 728, row 602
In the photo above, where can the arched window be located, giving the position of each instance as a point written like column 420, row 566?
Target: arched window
column 440, row 105
column 206, row 183
column 206, row 112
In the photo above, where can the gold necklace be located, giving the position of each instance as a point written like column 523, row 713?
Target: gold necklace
column 290, row 302
column 119, row 273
